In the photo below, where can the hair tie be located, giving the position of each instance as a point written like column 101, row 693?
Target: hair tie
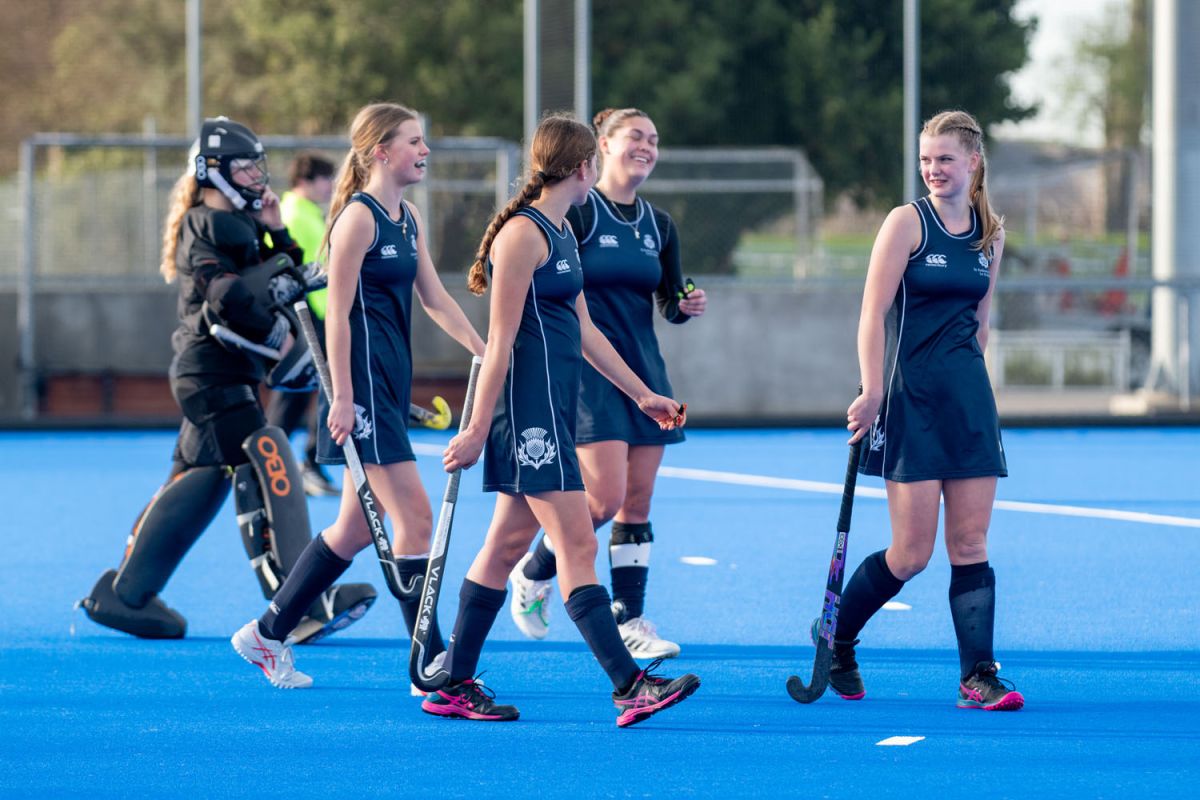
column 541, row 176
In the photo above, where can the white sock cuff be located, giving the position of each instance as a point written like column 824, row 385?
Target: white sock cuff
column 629, row 555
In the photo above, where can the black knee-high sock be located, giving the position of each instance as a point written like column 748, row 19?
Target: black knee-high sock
column 477, row 609
column 629, row 558
column 315, row 571
column 408, row 569
column 590, row 610
column 871, row 585
column 973, row 608
column 542, row 566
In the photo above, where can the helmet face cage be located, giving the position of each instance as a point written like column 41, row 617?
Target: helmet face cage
column 222, row 145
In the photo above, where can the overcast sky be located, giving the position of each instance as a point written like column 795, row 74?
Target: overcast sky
column 1059, row 23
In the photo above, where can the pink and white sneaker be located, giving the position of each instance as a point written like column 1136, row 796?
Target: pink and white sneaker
column 273, row 657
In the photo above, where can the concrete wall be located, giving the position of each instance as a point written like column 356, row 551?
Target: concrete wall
column 761, row 352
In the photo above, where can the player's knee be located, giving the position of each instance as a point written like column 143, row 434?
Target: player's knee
column 967, row 547
column 907, row 564
column 580, row 548
column 603, row 506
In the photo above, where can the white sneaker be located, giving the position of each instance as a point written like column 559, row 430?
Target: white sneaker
column 530, row 605
column 272, row 657
column 434, row 664
column 642, row 640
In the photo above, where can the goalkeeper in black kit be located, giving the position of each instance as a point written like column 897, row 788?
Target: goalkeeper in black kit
column 225, row 245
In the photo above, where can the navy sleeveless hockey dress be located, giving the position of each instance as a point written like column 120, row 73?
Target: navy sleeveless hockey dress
column 380, row 344
column 621, row 272
column 531, row 444
column 938, row 418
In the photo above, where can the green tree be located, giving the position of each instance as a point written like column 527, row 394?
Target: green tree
column 1113, row 87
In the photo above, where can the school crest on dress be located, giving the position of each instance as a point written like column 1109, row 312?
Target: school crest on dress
column 535, row 449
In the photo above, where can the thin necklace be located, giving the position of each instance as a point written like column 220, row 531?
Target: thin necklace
column 634, row 224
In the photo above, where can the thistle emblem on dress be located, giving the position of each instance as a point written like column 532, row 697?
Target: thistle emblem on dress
column 363, row 427
column 535, row 450
column 877, row 435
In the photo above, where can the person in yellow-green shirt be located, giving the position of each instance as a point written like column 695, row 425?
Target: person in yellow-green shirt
column 302, row 209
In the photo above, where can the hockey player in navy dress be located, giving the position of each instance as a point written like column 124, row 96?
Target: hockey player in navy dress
column 225, row 244
column 630, row 254
column 377, row 257
column 538, row 336
column 927, row 406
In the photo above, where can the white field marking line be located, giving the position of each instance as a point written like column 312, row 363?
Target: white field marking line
column 820, row 487
column 896, row 605
column 899, row 741
column 698, row 561
column 742, row 479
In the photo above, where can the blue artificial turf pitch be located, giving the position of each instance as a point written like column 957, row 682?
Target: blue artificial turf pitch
column 1097, row 623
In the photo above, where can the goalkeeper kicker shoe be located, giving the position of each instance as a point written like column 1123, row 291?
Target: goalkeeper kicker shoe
column 273, row 657
column 337, row 608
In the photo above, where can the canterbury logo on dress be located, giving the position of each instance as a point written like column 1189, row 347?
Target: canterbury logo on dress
column 935, row 260
column 388, row 251
column 562, row 266
column 608, row 240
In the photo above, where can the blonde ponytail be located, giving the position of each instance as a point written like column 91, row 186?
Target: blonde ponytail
column 184, row 195
column 963, row 126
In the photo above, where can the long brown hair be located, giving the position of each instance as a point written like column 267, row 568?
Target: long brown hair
column 560, row 144
column 963, row 126
column 373, row 125
column 611, row 120
column 184, row 195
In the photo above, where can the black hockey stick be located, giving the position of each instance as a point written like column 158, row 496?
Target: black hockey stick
column 833, row 594
column 431, row 588
column 437, row 418
column 366, row 498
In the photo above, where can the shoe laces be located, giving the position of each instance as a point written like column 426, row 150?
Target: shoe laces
column 536, row 603
column 986, row 675
column 646, row 674
column 478, row 694
column 642, row 626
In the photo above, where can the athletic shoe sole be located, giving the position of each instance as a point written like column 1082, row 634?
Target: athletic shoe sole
column 1013, row 701
column 339, row 623
column 858, row 696
column 634, row 716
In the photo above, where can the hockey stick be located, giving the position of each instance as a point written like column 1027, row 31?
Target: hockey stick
column 438, row 418
column 366, row 498
column 431, row 588
column 833, row 594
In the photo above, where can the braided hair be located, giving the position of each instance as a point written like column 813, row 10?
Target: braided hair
column 560, row 145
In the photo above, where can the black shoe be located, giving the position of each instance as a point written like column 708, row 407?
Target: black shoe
column 316, row 482
column 844, row 676
column 650, row 694
column 337, row 608
column 468, row 700
column 152, row 621
column 982, row 689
